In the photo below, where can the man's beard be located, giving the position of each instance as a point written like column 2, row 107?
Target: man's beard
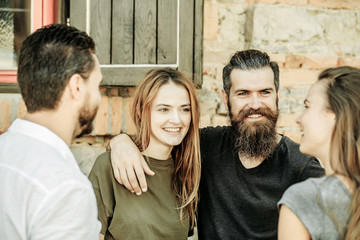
column 86, row 118
column 258, row 138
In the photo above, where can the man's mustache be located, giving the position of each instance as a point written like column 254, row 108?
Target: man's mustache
column 266, row 112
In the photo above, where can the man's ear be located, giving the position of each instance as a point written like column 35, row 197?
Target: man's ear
column 225, row 98
column 278, row 93
column 74, row 85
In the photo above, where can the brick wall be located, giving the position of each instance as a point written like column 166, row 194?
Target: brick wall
column 303, row 36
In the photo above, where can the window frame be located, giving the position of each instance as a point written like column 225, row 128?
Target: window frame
column 42, row 14
column 45, row 11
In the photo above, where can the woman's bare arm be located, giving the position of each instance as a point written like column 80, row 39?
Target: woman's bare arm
column 290, row 226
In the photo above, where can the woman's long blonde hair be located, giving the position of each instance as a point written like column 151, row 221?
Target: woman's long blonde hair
column 186, row 178
column 343, row 92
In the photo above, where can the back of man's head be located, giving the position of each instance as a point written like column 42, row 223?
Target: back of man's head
column 48, row 58
column 249, row 60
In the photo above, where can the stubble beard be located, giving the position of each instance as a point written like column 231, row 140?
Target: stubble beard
column 255, row 139
column 86, row 118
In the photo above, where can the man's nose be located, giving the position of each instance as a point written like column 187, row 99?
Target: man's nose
column 255, row 102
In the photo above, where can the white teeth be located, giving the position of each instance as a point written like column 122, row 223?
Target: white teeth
column 172, row 129
column 254, row 116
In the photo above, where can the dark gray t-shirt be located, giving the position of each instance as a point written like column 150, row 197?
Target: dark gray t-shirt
column 240, row 203
column 316, row 202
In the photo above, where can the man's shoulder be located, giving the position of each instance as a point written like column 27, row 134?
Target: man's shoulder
column 297, row 162
column 288, row 142
column 214, row 132
column 292, row 148
column 18, row 147
column 39, row 164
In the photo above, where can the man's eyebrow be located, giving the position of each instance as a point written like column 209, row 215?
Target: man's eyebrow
column 260, row 90
column 306, row 101
column 267, row 89
column 242, row 90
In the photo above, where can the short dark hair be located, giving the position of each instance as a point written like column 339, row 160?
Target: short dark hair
column 249, row 60
column 47, row 60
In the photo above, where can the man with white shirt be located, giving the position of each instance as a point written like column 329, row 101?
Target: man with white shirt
column 44, row 195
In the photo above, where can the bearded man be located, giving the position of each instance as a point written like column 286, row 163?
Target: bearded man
column 247, row 166
column 44, row 195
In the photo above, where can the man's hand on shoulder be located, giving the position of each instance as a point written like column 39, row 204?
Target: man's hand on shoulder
column 128, row 164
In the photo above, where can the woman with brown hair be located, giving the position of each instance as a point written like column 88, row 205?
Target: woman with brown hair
column 328, row 207
column 166, row 112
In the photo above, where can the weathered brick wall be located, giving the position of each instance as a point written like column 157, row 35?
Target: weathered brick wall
column 303, row 36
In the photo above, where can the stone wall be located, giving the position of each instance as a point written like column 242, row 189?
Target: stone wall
column 303, row 36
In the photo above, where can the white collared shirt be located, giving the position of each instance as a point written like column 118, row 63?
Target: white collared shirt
column 43, row 194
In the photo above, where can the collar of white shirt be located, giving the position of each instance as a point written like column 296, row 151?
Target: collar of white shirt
column 43, row 134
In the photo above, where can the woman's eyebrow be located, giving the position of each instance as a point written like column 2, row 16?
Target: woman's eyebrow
column 167, row 105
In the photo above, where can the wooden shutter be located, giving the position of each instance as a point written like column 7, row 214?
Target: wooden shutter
column 134, row 36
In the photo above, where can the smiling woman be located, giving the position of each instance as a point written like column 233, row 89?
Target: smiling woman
column 170, row 120
column 166, row 112
column 328, row 207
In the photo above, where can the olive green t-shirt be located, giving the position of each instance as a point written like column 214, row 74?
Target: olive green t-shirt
column 124, row 215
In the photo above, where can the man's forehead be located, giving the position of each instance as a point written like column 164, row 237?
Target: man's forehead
column 254, row 79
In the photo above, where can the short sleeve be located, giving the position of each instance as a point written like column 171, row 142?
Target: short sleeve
column 301, row 199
